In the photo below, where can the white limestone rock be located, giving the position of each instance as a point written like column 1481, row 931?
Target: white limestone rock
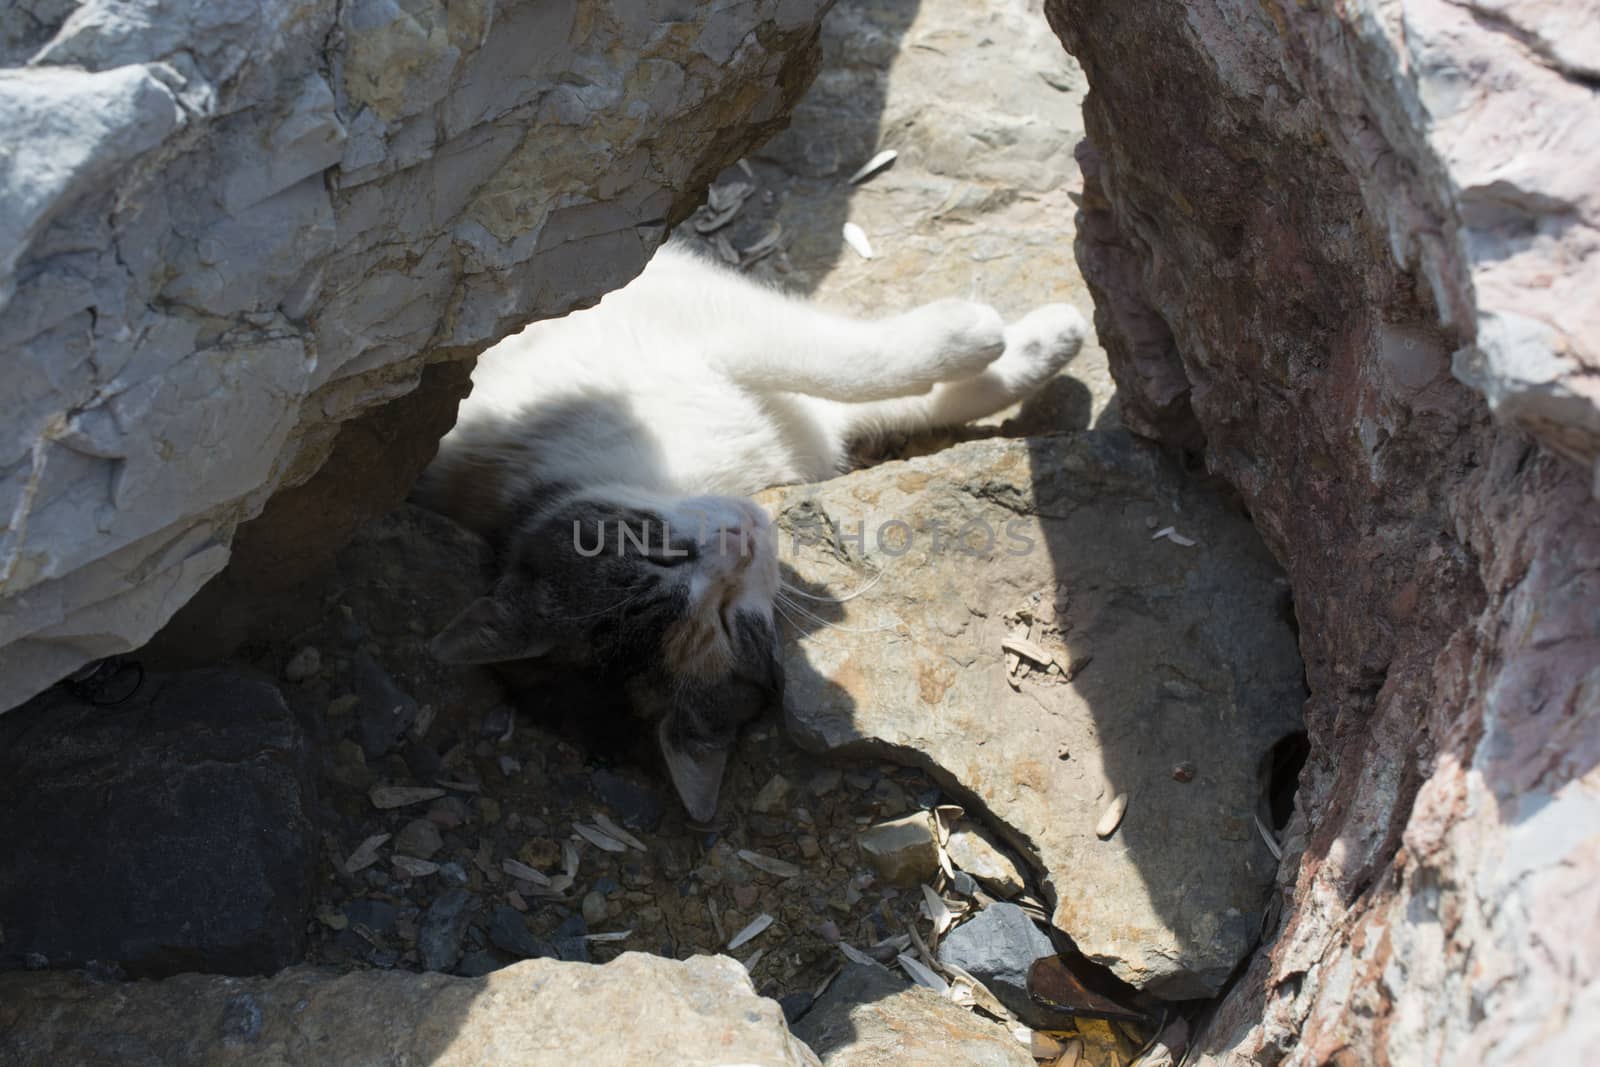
column 230, row 226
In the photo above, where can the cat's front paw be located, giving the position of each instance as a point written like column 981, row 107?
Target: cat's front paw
column 949, row 340
column 1042, row 342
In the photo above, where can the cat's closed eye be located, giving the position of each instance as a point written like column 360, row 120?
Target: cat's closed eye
column 676, row 556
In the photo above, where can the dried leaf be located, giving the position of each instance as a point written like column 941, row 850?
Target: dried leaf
column 855, row 955
column 981, row 995
column 921, row 973
column 1270, row 838
column 709, row 220
column 934, row 907
column 874, row 166
column 412, row 867
column 922, row 946
column 725, row 249
column 772, row 866
column 365, row 855
column 569, row 859
column 1045, row 1047
column 1028, row 650
column 598, row 839
column 886, row 949
column 518, row 869
column 822, row 986
column 733, row 194
column 758, row 924
column 1171, row 534
column 611, row 828
column 1071, row 1053
column 398, row 796
column 614, row 935
column 1111, row 818
column 856, row 238
column 753, row 959
column 763, row 244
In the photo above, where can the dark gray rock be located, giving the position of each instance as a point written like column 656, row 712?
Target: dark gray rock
column 482, row 962
column 443, row 925
column 636, row 806
column 376, row 915
column 167, row 833
column 568, row 939
column 419, row 838
column 997, row 947
column 510, row 934
column 387, row 711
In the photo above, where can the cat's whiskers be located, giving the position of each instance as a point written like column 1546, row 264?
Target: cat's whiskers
column 780, row 601
column 796, row 591
column 624, row 602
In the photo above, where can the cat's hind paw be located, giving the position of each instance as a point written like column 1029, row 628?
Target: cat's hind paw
column 948, row 340
column 1042, row 342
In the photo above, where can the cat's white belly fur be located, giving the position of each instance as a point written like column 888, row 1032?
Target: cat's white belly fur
column 694, row 380
column 692, row 431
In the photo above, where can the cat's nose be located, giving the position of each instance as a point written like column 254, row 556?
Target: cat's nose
column 738, row 542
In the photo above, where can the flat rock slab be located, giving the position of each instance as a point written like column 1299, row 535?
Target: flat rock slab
column 1158, row 652
column 166, row 833
column 637, row 1010
column 870, row 1017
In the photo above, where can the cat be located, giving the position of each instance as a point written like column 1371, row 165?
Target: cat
column 608, row 456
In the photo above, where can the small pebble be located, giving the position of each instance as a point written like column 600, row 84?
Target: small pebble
column 594, row 907
column 303, row 664
column 447, row 813
column 540, row 852
column 419, row 838
column 1183, row 772
column 825, row 781
column 412, row 867
column 902, row 850
column 772, row 795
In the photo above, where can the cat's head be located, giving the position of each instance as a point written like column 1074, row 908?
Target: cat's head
column 674, row 594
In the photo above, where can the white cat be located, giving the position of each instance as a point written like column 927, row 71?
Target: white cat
column 641, row 424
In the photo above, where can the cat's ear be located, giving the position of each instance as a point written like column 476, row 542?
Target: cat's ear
column 696, row 769
column 492, row 629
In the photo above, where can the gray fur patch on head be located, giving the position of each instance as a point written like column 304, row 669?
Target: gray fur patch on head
column 607, row 579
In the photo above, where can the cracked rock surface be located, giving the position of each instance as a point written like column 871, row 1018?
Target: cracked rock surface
column 1350, row 250
column 1137, row 654
column 232, row 226
column 637, row 1009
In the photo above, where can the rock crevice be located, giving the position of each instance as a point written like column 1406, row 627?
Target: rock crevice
column 1366, row 244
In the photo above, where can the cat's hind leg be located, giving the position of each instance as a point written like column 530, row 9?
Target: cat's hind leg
column 1037, row 346
column 801, row 349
